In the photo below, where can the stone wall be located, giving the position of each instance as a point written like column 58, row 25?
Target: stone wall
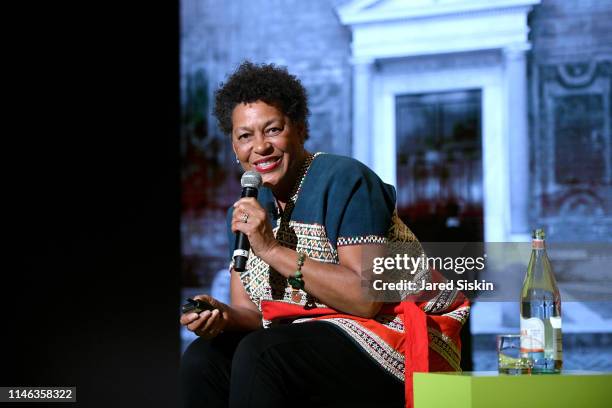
column 305, row 36
column 571, row 115
column 570, row 105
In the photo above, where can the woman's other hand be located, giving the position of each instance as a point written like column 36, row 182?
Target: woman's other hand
column 207, row 324
column 251, row 219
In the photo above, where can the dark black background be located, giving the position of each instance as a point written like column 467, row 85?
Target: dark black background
column 91, row 254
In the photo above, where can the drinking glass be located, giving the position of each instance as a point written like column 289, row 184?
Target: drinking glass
column 510, row 360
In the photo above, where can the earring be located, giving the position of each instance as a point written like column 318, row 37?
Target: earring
column 237, row 161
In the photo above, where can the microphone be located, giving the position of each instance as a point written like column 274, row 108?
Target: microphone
column 251, row 181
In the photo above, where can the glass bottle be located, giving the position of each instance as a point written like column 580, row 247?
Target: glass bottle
column 541, row 311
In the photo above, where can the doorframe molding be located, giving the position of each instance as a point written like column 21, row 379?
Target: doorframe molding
column 489, row 80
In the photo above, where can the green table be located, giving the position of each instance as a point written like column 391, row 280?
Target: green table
column 487, row 389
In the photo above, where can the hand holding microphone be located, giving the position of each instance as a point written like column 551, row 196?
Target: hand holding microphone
column 250, row 223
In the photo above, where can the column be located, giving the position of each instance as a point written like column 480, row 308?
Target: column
column 362, row 110
column 518, row 139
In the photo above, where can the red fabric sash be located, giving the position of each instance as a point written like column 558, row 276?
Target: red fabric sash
column 416, row 347
column 416, row 340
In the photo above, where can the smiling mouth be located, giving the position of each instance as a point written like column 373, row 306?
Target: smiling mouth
column 268, row 164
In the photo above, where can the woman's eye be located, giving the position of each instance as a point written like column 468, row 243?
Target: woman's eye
column 243, row 136
column 274, row 130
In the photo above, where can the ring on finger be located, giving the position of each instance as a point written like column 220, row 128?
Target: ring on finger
column 245, row 217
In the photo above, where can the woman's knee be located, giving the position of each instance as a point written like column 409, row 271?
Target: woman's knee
column 197, row 356
column 261, row 347
column 204, row 355
column 269, row 350
column 251, row 347
column 217, row 352
column 205, row 372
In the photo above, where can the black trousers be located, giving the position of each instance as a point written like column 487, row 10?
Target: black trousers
column 311, row 364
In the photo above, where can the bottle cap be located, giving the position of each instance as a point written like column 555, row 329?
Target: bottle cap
column 538, row 234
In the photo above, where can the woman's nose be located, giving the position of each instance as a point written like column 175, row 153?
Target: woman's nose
column 262, row 146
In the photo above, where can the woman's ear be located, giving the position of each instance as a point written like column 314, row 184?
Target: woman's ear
column 234, row 150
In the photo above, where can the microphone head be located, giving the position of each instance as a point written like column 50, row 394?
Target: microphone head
column 251, row 179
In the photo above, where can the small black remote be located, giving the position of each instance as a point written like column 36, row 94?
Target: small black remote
column 196, row 306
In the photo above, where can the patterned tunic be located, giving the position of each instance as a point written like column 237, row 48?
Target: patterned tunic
column 338, row 201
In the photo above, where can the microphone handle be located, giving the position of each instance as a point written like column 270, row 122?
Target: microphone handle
column 242, row 242
column 240, row 261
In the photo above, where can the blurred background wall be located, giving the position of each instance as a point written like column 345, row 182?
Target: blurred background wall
column 489, row 117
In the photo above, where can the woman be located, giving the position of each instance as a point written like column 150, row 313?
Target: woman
column 325, row 342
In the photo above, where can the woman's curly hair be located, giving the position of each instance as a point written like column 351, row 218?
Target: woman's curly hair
column 261, row 82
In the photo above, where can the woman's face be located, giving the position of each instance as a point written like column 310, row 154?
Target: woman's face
column 266, row 140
